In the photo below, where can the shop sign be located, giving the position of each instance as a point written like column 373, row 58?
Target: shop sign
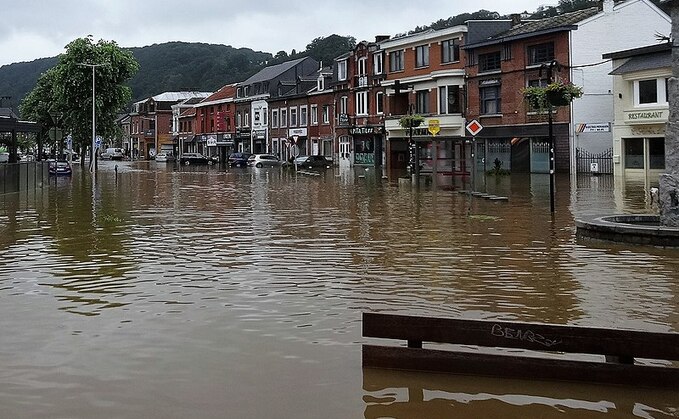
column 212, row 140
column 364, row 158
column 364, row 130
column 343, row 119
column 300, row 132
column 645, row 116
column 594, row 127
column 259, row 134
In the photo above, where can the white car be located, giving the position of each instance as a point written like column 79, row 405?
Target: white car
column 164, row 157
column 261, row 160
column 4, row 157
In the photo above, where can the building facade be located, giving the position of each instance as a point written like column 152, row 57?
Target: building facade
column 425, row 75
column 641, row 109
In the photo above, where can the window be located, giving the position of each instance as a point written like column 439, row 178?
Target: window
column 344, row 105
column 450, row 51
column 293, row 117
column 361, row 103
column 650, row 92
column 634, row 153
column 422, row 101
column 377, row 63
column 284, row 118
column 321, row 84
column 361, row 69
column 490, row 100
column 326, row 114
column 656, row 153
column 246, row 119
column 379, row 103
column 239, row 119
column 449, row 100
column 396, row 61
column 239, row 92
column 541, row 53
column 274, row 118
column 341, row 70
column 489, row 62
column 422, row 56
column 303, row 120
column 314, row 114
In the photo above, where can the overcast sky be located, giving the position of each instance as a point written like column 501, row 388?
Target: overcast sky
column 32, row 29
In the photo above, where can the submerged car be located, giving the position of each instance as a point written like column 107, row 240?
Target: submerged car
column 312, row 161
column 60, row 168
column 261, row 160
column 164, row 157
column 195, row 158
column 238, row 159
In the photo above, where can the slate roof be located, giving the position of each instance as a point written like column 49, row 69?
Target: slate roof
column 645, row 58
column 273, row 71
column 566, row 21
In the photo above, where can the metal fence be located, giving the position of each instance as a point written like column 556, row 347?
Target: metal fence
column 587, row 162
column 15, row 177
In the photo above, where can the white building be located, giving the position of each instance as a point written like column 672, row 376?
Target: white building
column 641, row 112
column 621, row 25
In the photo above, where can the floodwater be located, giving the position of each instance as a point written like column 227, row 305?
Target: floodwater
column 193, row 292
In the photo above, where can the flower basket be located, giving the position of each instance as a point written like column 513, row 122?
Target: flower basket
column 411, row 121
column 554, row 94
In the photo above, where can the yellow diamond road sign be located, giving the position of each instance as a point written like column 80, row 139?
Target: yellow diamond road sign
column 434, row 126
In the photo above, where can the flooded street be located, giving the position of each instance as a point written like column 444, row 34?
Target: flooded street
column 196, row 292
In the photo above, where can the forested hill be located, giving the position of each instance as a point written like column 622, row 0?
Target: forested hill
column 176, row 66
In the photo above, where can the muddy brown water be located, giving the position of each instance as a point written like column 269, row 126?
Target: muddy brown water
column 170, row 293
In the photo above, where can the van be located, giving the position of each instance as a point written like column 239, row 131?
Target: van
column 113, row 154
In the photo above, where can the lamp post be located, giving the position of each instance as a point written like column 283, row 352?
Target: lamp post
column 56, row 116
column 93, row 159
column 550, row 69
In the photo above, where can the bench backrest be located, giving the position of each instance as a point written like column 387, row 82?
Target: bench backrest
column 531, row 336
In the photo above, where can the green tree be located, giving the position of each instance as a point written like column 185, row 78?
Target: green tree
column 67, row 89
column 37, row 105
column 326, row 49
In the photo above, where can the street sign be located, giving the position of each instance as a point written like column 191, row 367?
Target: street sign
column 69, row 141
column 434, row 127
column 55, row 134
column 97, row 141
column 474, row 127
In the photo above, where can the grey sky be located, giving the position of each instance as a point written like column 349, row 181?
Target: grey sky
column 34, row 29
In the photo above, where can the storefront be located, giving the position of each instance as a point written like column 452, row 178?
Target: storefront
column 367, row 145
column 639, row 145
column 242, row 141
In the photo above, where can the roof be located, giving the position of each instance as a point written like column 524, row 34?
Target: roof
column 224, row 92
column 178, row 96
column 273, row 71
column 8, row 113
column 481, row 30
column 564, row 22
column 645, row 62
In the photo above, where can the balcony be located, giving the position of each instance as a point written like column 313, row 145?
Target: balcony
column 452, row 125
column 361, row 81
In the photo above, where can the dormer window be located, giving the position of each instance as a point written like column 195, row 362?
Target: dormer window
column 321, row 83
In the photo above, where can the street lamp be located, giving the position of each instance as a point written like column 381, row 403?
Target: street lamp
column 56, row 116
column 93, row 161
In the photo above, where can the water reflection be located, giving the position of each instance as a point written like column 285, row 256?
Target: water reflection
column 199, row 286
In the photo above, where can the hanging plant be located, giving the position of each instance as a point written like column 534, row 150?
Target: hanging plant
column 411, row 121
column 554, row 94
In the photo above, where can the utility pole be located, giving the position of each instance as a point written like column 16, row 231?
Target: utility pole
column 93, row 158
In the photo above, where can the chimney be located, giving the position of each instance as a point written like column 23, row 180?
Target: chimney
column 380, row 38
column 516, row 19
column 606, row 5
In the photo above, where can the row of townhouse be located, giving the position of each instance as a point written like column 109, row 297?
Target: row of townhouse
column 349, row 111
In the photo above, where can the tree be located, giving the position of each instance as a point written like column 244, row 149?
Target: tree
column 67, row 88
column 325, row 50
column 36, row 107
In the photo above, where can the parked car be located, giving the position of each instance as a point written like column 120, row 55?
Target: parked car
column 60, row 168
column 164, row 157
column 238, row 159
column 312, row 161
column 4, row 157
column 195, row 158
column 261, row 160
column 113, row 154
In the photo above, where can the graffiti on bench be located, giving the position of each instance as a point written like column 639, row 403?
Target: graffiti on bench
column 524, row 335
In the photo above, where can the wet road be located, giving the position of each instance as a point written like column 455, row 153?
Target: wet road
column 164, row 293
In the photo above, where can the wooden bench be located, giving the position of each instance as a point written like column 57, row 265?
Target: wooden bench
column 543, row 345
